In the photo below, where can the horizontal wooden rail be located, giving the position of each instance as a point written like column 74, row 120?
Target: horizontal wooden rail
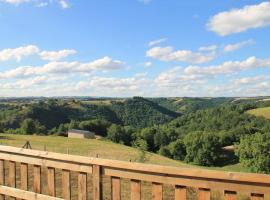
column 18, row 193
column 230, row 183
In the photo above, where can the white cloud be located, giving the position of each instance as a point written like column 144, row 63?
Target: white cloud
column 38, row 3
column 211, row 48
column 148, row 64
column 56, row 55
column 156, row 42
column 229, row 67
column 18, row 53
column 239, row 20
column 169, row 54
column 60, row 68
column 236, row 46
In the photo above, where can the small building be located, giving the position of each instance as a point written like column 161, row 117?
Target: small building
column 73, row 133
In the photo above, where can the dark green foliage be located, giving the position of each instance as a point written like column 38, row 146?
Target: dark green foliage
column 175, row 150
column 202, row 148
column 118, row 134
column 140, row 112
column 254, row 152
column 30, row 126
column 97, row 126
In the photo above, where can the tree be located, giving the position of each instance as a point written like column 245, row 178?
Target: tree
column 254, row 152
column 30, row 126
column 202, row 148
column 116, row 133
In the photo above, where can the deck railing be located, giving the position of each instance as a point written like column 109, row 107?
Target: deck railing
column 13, row 159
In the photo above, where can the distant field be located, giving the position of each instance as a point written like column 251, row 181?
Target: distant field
column 262, row 112
column 101, row 102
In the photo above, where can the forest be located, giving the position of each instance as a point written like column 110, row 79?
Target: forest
column 193, row 130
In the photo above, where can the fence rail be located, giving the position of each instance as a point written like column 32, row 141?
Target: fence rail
column 257, row 186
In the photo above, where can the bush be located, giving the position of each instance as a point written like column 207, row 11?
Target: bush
column 202, row 148
column 253, row 152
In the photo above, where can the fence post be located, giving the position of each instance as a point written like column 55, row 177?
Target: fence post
column 96, row 182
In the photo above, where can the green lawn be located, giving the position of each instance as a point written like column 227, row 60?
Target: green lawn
column 262, row 112
column 93, row 147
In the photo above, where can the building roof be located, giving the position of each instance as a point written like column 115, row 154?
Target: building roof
column 79, row 131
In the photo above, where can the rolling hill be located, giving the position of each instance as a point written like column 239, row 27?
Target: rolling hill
column 260, row 112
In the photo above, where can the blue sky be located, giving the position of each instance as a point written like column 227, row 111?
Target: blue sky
column 134, row 47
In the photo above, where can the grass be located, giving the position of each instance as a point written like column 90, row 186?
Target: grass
column 86, row 147
column 260, row 112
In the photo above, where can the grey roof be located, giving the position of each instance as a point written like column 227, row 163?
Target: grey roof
column 79, row 131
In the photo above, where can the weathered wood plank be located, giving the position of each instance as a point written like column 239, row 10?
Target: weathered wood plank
column 82, row 186
column 12, row 175
column 24, row 176
column 204, row 194
column 66, row 187
column 257, row 197
column 96, row 182
column 51, row 181
column 18, row 193
column 115, row 188
column 157, row 191
column 230, row 195
column 194, row 182
column 2, row 177
column 37, row 179
column 180, row 192
column 5, row 151
column 135, row 187
column 77, row 167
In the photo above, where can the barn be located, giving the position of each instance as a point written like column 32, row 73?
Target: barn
column 74, row 133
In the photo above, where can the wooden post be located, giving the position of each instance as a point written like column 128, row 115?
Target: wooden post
column 24, row 176
column 115, row 188
column 96, row 182
column 12, row 175
column 230, row 195
column 204, row 194
column 257, row 197
column 180, row 192
column 66, row 187
column 82, row 186
column 157, row 191
column 2, row 177
column 37, row 179
column 51, row 181
column 135, row 187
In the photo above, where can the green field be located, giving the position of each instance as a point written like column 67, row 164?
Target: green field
column 101, row 147
column 261, row 112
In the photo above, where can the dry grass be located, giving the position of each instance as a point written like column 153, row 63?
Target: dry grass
column 261, row 112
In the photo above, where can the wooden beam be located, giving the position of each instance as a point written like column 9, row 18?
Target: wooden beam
column 66, row 186
column 96, row 182
column 203, row 194
column 51, row 181
column 37, row 179
column 22, row 194
column 157, row 191
column 115, row 188
column 135, row 190
column 2, row 177
column 230, row 195
column 180, row 192
column 82, row 186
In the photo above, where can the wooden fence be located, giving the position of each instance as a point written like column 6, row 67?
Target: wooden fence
column 257, row 186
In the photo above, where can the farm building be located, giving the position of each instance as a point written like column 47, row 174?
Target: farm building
column 73, row 133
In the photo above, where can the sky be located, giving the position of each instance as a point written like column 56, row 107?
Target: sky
column 124, row 48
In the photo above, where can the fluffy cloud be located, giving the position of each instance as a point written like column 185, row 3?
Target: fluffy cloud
column 169, row 54
column 239, row 20
column 56, row 55
column 156, row 42
column 61, row 68
column 39, row 3
column 229, row 67
column 18, row 53
column 236, row 46
column 30, row 50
